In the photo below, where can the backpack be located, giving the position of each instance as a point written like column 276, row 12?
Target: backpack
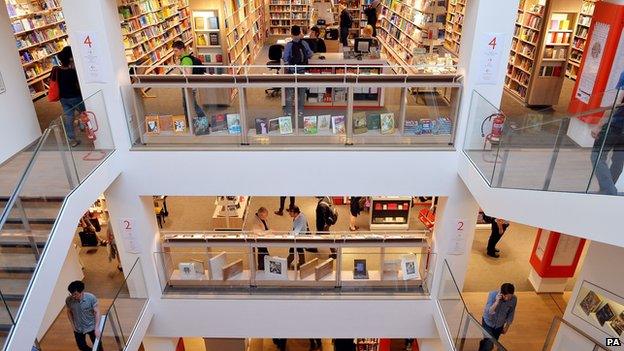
column 196, row 62
column 332, row 214
column 298, row 55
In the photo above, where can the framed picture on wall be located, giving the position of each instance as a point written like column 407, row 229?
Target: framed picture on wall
column 600, row 308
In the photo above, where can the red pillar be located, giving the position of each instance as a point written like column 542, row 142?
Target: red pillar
column 554, row 259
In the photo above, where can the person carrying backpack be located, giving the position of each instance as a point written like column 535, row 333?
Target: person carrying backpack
column 326, row 216
column 186, row 59
column 296, row 53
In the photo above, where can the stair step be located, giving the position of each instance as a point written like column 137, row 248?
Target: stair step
column 11, row 262
column 44, row 212
column 21, row 238
column 5, row 318
column 14, row 289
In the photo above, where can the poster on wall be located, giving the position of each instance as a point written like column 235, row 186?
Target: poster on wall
column 91, row 57
column 458, row 241
column 592, row 61
column 130, row 242
column 490, row 53
column 616, row 77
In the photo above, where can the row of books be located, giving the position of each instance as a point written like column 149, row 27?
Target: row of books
column 523, row 48
column 207, row 39
column 559, row 38
column 581, row 32
column 555, row 53
column 550, row 71
column 34, row 38
column 426, row 126
column 530, row 20
column 219, row 123
column 138, row 8
column 43, row 51
column 37, row 21
column 528, row 35
column 521, row 90
column 33, row 71
column 15, row 8
column 157, row 42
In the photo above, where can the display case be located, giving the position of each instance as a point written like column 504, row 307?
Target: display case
column 390, row 212
column 600, row 308
column 231, row 261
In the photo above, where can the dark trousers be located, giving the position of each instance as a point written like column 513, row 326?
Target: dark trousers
column 613, row 142
column 486, row 344
column 81, row 341
column 280, row 343
column 344, row 35
column 262, row 251
column 283, row 201
column 315, row 343
column 291, row 256
column 494, row 239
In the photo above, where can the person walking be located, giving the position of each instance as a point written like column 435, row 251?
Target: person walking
column 326, row 216
column 84, row 315
column 186, row 59
column 346, row 21
column 354, row 208
column 609, row 138
column 498, row 314
column 280, row 211
column 260, row 226
column 499, row 227
column 296, row 55
column 70, row 95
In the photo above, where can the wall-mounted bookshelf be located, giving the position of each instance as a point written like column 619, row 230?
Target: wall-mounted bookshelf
column 580, row 37
column 149, row 28
column 208, row 43
column 539, row 51
column 284, row 14
column 408, row 25
column 39, row 29
column 454, row 25
column 244, row 31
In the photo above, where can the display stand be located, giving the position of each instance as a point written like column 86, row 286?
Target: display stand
column 39, row 29
column 285, row 14
column 580, row 38
column 230, row 212
column 390, row 212
column 454, row 25
column 539, row 51
column 149, row 28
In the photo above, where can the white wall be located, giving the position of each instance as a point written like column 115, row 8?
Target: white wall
column 72, row 270
column 17, row 118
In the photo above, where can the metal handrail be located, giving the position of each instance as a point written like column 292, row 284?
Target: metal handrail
column 573, row 327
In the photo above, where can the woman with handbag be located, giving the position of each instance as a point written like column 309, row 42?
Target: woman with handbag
column 64, row 87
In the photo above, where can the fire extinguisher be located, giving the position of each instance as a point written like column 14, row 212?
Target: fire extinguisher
column 88, row 119
column 498, row 122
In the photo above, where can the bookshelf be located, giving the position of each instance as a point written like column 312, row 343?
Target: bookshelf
column 39, row 30
column 580, row 37
column 149, row 28
column 539, row 51
column 454, row 25
column 244, row 31
column 284, row 14
column 207, row 39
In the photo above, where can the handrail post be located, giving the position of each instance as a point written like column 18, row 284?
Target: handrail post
column 563, row 126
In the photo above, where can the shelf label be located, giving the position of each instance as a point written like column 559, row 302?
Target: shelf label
column 91, row 57
column 489, row 57
column 131, row 244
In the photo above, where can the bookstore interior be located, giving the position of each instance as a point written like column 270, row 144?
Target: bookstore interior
column 228, row 37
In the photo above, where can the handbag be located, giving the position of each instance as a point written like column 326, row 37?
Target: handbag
column 54, row 93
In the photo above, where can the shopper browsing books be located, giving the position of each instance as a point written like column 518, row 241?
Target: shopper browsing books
column 300, row 227
column 498, row 314
column 346, row 21
column 191, row 64
column 296, row 55
column 261, row 226
column 70, row 95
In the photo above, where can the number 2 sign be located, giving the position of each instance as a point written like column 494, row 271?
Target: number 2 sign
column 130, row 241
column 457, row 246
column 489, row 58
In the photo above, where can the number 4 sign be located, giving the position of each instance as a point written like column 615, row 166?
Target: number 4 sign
column 489, row 57
column 91, row 57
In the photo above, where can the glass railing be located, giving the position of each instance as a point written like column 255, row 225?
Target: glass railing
column 33, row 185
column 464, row 331
column 548, row 151
column 564, row 336
column 279, row 262
column 118, row 323
column 325, row 105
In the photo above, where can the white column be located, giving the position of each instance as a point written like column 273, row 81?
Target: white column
column 456, row 219
column 160, row 344
column 124, row 205
column 482, row 19
column 18, row 118
column 99, row 20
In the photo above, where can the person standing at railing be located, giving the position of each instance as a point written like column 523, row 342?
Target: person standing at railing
column 70, row 95
column 296, row 53
column 261, row 226
column 84, row 315
column 498, row 314
column 610, row 139
column 300, row 227
column 194, row 66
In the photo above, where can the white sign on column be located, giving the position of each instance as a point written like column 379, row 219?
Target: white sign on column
column 131, row 244
column 490, row 46
column 91, row 55
column 458, row 241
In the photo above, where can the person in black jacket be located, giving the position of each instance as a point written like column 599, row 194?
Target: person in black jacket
column 315, row 38
column 499, row 226
column 371, row 15
column 345, row 24
column 325, row 218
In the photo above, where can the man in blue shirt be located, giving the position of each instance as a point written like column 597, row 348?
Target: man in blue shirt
column 295, row 56
column 300, row 227
column 498, row 313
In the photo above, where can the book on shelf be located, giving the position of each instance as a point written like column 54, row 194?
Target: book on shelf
column 310, row 125
column 387, row 123
column 214, row 39
column 213, row 23
column 218, row 123
column 338, row 124
column 233, row 123
column 201, row 125
column 359, row 123
column 323, row 123
column 179, row 124
column 285, row 125
column 373, row 121
column 262, row 126
column 166, row 123
column 200, row 23
column 274, row 125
